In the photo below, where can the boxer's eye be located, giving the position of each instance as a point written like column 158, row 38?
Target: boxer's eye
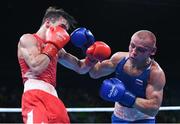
column 63, row 26
column 142, row 50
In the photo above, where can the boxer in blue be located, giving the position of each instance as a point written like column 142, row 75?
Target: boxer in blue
column 137, row 87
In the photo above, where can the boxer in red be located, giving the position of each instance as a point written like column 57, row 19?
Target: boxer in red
column 38, row 55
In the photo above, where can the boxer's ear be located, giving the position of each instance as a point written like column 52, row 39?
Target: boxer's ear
column 153, row 51
column 47, row 23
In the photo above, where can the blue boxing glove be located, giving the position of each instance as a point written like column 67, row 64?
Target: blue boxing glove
column 114, row 90
column 82, row 38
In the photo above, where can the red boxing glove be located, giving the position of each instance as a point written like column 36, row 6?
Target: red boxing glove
column 56, row 38
column 99, row 51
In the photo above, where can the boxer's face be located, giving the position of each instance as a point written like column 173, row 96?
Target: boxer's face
column 62, row 22
column 139, row 49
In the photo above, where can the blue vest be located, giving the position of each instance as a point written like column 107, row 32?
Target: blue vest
column 135, row 84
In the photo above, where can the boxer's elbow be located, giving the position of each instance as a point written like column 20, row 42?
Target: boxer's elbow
column 150, row 110
column 94, row 75
column 154, row 110
column 81, row 71
column 154, row 113
column 38, row 68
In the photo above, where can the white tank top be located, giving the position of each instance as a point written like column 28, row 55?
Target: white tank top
column 129, row 114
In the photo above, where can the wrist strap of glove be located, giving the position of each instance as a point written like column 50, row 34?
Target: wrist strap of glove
column 128, row 99
column 90, row 61
column 50, row 50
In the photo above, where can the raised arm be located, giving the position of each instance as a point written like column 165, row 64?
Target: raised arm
column 94, row 50
column 72, row 62
column 106, row 67
column 93, row 55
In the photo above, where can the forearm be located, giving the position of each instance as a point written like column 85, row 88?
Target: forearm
column 101, row 69
column 73, row 63
column 148, row 107
column 95, row 73
column 86, row 66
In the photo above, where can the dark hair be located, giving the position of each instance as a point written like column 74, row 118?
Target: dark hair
column 53, row 13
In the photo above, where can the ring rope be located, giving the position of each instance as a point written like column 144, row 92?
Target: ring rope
column 95, row 109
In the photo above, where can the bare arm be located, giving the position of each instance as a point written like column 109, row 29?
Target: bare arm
column 73, row 63
column 154, row 94
column 106, row 67
column 29, row 51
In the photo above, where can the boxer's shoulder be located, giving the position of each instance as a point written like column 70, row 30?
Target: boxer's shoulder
column 118, row 56
column 27, row 39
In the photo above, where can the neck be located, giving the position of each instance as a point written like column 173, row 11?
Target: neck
column 141, row 64
column 41, row 33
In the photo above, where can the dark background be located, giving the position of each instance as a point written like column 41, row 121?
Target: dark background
column 112, row 21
